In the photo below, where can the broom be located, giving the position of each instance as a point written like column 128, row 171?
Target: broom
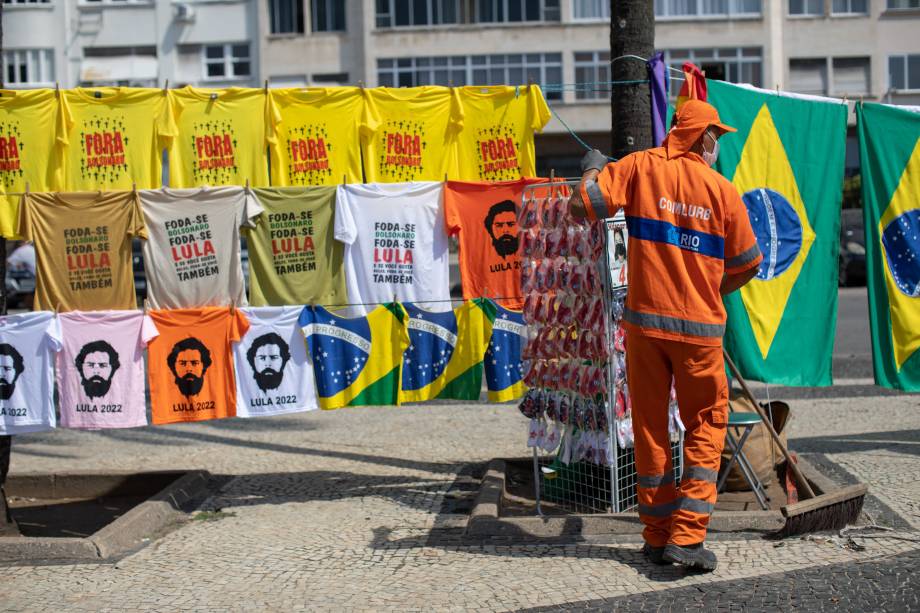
column 830, row 510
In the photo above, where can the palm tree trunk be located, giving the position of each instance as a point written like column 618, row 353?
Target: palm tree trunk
column 632, row 32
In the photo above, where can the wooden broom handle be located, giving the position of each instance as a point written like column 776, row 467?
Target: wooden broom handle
column 803, row 483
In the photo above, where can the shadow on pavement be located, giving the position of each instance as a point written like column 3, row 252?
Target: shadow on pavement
column 324, row 485
column 898, row 441
column 523, row 545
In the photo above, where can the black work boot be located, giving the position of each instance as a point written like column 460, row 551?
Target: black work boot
column 654, row 555
column 691, row 556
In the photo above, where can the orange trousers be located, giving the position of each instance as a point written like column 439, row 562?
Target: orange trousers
column 670, row 514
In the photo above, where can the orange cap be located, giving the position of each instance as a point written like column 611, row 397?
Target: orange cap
column 693, row 118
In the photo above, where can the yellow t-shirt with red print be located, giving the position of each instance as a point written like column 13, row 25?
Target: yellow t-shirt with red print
column 222, row 136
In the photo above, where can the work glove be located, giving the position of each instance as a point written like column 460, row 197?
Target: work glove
column 595, row 160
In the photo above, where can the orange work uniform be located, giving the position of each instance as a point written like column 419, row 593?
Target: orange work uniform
column 687, row 228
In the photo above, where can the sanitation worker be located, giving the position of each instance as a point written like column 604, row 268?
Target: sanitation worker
column 690, row 243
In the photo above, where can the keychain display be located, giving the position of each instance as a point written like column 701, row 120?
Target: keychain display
column 566, row 353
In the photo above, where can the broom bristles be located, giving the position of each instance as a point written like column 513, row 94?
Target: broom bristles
column 832, row 517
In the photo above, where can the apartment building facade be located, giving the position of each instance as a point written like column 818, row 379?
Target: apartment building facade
column 860, row 49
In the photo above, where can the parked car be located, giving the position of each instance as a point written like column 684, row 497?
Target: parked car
column 852, row 269
column 140, row 274
column 20, row 276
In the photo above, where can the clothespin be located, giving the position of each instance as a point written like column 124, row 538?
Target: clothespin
column 266, row 86
column 57, row 89
column 134, row 187
column 344, row 179
column 146, row 305
column 445, row 177
column 165, row 85
column 361, row 85
column 247, row 185
column 517, row 91
column 233, row 307
column 552, row 180
column 27, row 188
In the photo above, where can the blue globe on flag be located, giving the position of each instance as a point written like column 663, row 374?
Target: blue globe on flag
column 777, row 228
column 901, row 240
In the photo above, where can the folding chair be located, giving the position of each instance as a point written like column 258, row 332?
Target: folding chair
column 745, row 421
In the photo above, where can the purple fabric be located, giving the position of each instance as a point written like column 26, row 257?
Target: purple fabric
column 658, row 81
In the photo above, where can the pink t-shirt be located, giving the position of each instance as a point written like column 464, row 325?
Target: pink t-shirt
column 100, row 369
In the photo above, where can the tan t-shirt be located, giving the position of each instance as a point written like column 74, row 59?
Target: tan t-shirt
column 82, row 248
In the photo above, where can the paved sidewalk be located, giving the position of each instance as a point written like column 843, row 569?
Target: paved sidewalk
column 342, row 510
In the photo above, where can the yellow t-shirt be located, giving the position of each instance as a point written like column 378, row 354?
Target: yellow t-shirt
column 223, row 135
column 410, row 134
column 113, row 138
column 27, row 143
column 496, row 142
column 317, row 140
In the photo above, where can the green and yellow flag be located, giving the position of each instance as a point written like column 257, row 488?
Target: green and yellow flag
column 787, row 161
column 889, row 149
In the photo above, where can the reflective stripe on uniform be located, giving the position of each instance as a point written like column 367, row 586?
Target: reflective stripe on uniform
column 673, row 324
column 597, row 199
column 700, row 474
column 695, row 506
column 659, row 231
column 658, row 510
column 681, row 504
column 652, row 481
column 741, row 259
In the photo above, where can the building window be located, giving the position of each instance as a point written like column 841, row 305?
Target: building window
column 328, row 15
column 230, row 61
column 734, row 64
column 904, row 72
column 808, row 76
column 513, row 11
column 806, row 7
column 592, row 69
column 903, row 4
column 286, row 16
column 26, row 1
column 28, row 67
column 501, row 69
column 330, row 78
column 408, row 13
column 706, row 9
column 591, row 9
column 851, row 76
column 850, row 7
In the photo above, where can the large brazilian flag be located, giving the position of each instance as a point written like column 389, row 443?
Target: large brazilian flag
column 889, row 149
column 786, row 160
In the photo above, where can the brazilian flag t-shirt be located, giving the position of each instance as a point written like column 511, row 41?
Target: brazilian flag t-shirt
column 503, row 357
column 356, row 361
column 444, row 359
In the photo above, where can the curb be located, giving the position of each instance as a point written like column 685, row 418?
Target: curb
column 486, row 519
column 141, row 522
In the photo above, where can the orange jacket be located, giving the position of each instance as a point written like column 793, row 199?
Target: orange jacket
column 687, row 228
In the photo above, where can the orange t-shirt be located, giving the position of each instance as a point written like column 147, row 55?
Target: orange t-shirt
column 484, row 217
column 191, row 364
column 687, row 227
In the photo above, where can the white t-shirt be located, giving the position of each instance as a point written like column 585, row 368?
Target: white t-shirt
column 28, row 345
column 273, row 375
column 395, row 243
column 192, row 253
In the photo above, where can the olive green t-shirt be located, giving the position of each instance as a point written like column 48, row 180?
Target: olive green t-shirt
column 82, row 248
column 293, row 257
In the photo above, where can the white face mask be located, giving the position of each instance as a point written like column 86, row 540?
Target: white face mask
column 710, row 157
